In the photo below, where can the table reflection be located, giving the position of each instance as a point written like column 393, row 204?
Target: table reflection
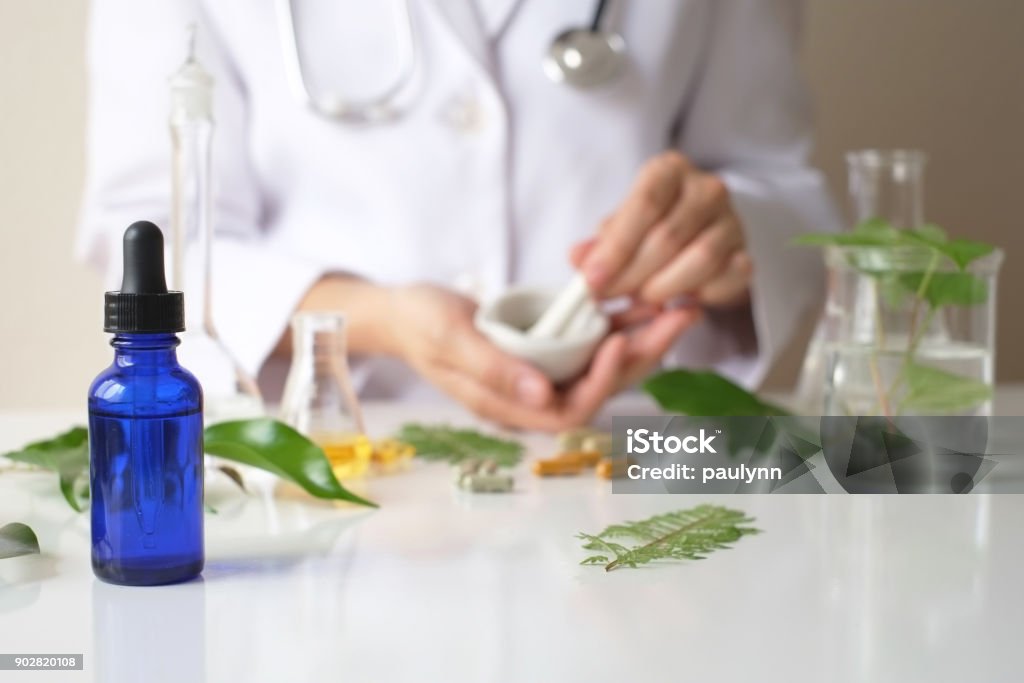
column 900, row 589
column 152, row 634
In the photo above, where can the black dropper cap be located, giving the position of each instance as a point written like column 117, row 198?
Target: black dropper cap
column 143, row 304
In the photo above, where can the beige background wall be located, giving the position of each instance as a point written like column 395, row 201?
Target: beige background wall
column 942, row 75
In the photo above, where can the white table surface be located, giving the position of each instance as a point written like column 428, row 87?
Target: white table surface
column 443, row 585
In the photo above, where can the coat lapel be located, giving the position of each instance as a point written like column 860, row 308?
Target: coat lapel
column 463, row 19
column 495, row 15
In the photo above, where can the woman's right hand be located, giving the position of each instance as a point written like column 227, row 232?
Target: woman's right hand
column 432, row 330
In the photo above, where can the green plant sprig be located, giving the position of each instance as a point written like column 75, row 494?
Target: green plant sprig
column 682, row 535
column 927, row 388
column 453, row 445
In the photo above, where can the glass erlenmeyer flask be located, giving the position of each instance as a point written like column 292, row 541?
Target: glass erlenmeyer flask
column 882, row 184
column 228, row 391
column 319, row 400
column 887, row 185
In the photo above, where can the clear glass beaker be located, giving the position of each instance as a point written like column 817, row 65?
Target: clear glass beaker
column 319, row 400
column 906, row 332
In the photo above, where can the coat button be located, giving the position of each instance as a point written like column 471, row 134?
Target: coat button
column 465, row 113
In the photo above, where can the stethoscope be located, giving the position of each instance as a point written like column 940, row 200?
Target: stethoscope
column 583, row 57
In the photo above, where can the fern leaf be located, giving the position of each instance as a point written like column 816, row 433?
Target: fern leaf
column 439, row 442
column 682, row 535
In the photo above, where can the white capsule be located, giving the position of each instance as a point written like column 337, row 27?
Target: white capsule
column 487, row 483
column 598, row 442
column 470, row 466
column 571, row 440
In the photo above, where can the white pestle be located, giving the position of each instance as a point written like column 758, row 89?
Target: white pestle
column 582, row 320
column 505, row 321
column 568, row 311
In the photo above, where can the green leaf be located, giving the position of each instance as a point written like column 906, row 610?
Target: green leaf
column 948, row 289
column 879, row 233
column 682, row 535
column 17, row 539
column 934, row 391
column 842, row 239
column 929, row 233
column 705, row 393
column 274, row 446
column 66, row 454
column 961, row 251
column 441, row 442
column 235, row 476
column 874, row 225
column 870, row 233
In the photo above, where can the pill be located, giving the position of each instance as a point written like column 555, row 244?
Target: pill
column 612, row 468
column 470, row 466
column 557, row 466
column 391, row 455
column 600, row 442
column 572, row 439
column 486, row 483
column 390, row 450
column 584, row 458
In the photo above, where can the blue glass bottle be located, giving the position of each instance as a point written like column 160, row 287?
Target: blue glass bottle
column 145, row 432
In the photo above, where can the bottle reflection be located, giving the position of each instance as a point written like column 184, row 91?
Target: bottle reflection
column 150, row 634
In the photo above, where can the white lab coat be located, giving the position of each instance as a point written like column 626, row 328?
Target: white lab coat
column 488, row 178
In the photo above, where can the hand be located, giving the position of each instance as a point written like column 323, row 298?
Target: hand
column 648, row 332
column 640, row 337
column 676, row 234
column 432, row 330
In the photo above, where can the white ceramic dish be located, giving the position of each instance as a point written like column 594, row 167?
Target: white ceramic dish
column 506, row 319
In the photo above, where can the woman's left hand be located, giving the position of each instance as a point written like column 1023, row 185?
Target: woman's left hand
column 675, row 235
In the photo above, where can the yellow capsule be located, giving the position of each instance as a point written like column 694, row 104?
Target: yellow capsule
column 585, row 458
column 390, row 455
column 613, row 468
column 557, row 466
column 349, row 455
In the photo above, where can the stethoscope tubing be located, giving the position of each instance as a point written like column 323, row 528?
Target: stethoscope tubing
column 374, row 109
column 382, row 108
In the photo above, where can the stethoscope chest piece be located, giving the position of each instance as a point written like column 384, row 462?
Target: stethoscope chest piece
column 585, row 59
